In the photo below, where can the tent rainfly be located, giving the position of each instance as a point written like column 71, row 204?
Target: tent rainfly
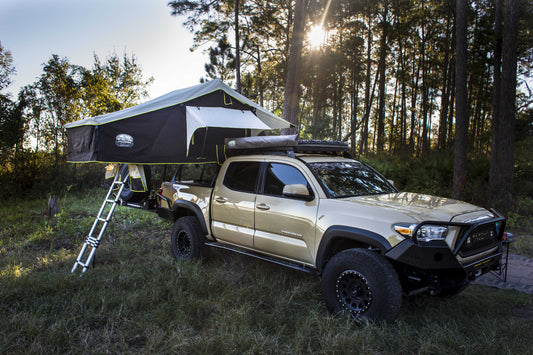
column 184, row 126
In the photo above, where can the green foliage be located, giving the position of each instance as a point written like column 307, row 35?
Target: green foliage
column 39, row 176
column 521, row 218
column 32, row 134
column 520, row 222
column 11, row 127
column 338, row 80
column 434, row 174
column 7, row 69
column 112, row 85
column 139, row 300
column 221, row 61
column 264, row 37
column 56, row 93
column 431, row 175
column 66, row 92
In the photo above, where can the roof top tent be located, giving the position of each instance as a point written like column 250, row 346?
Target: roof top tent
column 184, row 126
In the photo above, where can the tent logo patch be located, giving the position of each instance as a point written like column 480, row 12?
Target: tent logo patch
column 124, row 140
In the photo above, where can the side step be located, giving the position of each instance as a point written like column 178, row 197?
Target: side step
column 277, row 261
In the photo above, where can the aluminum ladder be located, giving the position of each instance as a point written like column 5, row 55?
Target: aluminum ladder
column 100, row 224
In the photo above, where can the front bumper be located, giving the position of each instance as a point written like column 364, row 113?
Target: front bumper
column 476, row 250
column 439, row 256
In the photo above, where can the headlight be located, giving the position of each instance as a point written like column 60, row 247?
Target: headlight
column 426, row 233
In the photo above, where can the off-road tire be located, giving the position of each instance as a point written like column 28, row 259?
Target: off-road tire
column 363, row 284
column 187, row 240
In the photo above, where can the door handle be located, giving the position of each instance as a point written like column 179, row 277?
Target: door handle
column 220, row 199
column 263, row 207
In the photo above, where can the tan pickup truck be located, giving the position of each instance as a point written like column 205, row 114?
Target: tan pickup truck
column 309, row 206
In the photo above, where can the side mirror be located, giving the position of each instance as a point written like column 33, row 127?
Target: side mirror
column 391, row 182
column 299, row 191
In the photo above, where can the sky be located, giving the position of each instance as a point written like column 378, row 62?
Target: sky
column 33, row 30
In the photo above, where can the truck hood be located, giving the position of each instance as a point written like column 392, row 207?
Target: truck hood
column 422, row 207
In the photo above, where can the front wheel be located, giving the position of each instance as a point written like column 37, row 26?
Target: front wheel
column 187, row 240
column 362, row 284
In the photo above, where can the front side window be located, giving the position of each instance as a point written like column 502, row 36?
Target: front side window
column 242, row 176
column 279, row 175
column 350, row 178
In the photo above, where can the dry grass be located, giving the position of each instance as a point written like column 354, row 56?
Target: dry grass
column 138, row 299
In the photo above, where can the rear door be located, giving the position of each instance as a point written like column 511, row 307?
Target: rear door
column 233, row 203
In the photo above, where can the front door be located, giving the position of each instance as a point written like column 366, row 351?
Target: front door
column 285, row 226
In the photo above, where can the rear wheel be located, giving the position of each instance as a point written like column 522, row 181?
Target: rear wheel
column 362, row 284
column 187, row 240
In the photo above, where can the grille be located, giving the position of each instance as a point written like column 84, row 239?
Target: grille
column 481, row 238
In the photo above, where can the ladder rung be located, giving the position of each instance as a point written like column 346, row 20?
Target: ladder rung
column 82, row 264
column 92, row 241
column 95, row 242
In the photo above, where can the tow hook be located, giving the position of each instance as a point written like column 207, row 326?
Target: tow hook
column 475, row 275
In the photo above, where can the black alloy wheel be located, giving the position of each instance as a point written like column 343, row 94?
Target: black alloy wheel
column 353, row 291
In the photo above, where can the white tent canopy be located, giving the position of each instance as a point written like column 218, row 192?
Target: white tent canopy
column 199, row 117
column 181, row 96
column 162, row 130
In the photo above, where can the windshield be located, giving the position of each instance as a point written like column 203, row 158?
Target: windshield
column 350, row 178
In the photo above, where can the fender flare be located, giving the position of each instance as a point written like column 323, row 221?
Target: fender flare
column 194, row 209
column 335, row 233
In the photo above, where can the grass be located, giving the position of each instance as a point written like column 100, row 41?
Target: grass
column 138, row 299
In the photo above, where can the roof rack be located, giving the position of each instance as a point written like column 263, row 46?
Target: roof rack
column 316, row 146
column 286, row 145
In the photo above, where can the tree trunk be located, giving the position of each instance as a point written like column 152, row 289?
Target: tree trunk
column 237, row 48
column 425, row 88
column 445, row 97
column 461, row 111
column 394, row 110
column 425, row 96
column 496, row 95
column 381, row 72
column 292, row 85
column 261, row 86
column 451, row 111
column 414, row 96
column 365, row 121
column 502, row 166
column 477, row 117
column 355, row 100
column 403, row 114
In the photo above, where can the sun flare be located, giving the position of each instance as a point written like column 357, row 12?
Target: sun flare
column 316, row 36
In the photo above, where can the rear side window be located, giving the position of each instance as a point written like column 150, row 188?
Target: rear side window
column 197, row 174
column 242, row 176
